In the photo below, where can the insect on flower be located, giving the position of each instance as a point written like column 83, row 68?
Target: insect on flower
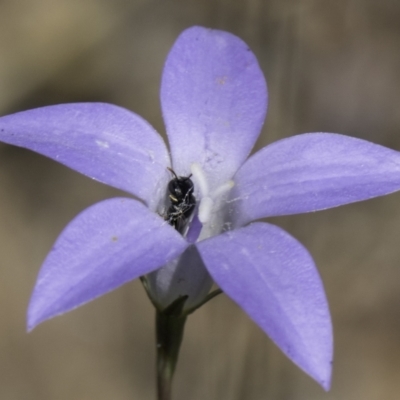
column 182, row 200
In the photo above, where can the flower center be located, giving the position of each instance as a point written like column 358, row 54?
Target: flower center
column 209, row 201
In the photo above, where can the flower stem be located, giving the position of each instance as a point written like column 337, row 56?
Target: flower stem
column 170, row 325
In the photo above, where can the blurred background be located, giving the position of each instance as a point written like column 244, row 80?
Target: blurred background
column 331, row 66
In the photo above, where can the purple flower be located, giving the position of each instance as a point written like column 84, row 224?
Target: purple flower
column 214, row 99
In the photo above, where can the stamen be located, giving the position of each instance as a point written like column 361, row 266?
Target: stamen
column 226, row 187
column 207, row 200
column 200, row 177
column 205, row 209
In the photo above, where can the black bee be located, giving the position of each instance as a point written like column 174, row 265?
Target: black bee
column 182, row 201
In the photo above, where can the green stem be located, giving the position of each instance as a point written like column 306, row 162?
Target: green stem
column 170, row 325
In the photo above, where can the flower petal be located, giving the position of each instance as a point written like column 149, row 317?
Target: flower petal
column 107, row 245
column 274, row 279
column 312, row 172
column 103, row 141
column 214, row 100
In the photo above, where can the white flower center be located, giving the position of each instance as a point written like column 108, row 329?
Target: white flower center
column 208, row 201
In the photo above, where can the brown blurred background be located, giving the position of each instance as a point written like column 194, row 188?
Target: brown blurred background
column 330, row 65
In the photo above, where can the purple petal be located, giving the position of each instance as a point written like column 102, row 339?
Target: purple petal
column 107, row 245
column 103, row 141
column 214, row 100
column 274, row 279
column 311, row 172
